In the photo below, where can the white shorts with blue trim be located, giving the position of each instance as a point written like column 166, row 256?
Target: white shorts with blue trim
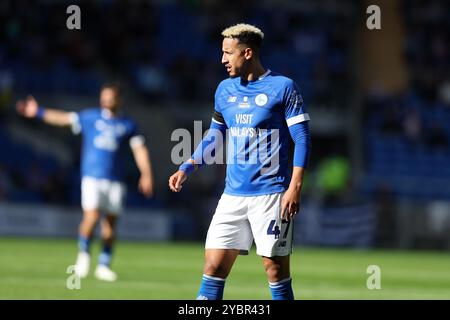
column 240, row 220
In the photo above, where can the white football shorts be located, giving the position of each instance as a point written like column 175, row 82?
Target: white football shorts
column 238, row 220
column 102, row 194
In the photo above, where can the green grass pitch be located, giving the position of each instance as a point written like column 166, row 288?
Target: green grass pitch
column 36, row 269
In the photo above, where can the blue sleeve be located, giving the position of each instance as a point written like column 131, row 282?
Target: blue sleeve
column 132, row 129
column 218, row 97
column 302, row 143
column 206, row 150
column 218, row 122
column 295, row 109
column 135, row 137
column 79, row 120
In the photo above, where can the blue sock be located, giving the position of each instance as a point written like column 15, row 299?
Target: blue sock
column 282, row 290
column 105, row 255
column 84, row 243
column 211, row 288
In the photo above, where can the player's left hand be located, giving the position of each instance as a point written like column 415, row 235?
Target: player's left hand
column 146, row 186
column 290, row 204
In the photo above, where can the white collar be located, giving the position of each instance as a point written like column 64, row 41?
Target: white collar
column 264, row 75
column 107, row 114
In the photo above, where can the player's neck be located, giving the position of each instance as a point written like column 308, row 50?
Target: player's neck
column 254, row 72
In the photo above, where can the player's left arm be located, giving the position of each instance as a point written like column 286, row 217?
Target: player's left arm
column 297, row 120
column 290, row 204
column 143, row 162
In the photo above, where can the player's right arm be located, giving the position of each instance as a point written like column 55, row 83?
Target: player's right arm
column 30, row 108
column 212, row 141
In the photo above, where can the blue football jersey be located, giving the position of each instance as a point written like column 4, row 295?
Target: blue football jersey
column 105, row 140
column 257, row 115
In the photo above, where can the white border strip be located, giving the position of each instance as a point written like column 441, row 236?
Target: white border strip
column 297, row 119
column 137, row 141
column 217, row 121
column 213, row 278
column 276, row 284
column 74, row 122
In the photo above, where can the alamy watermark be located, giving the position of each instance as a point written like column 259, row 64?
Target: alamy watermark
column 374, row 280
column 73, row 22
column 73, row 281
column 374, row 20
column 235, row 145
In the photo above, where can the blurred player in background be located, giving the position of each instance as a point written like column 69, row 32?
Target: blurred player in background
column 106, row 133
column 260, row 198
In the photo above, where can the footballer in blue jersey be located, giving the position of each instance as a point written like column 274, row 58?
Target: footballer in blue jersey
column 258, row 115
column 106, row 136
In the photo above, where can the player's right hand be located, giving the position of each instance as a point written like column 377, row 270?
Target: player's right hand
column 27, row 108
column 176, row 180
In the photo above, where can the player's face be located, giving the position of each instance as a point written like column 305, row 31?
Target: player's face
column 108, row 99
column 233, row 57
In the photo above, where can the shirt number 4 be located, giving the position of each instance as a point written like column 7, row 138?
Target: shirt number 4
column 275, row 230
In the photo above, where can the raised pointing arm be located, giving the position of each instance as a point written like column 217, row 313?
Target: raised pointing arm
column 29, row 108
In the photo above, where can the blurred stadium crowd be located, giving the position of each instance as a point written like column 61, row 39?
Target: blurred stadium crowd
column 168, row 53
column 408, row 146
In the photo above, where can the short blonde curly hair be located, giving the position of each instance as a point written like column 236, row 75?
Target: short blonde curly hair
column 245, row 33
column 240, row 28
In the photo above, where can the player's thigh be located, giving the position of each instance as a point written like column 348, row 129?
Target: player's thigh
column 115, row 197
column 229, row 227
column 273, row 236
